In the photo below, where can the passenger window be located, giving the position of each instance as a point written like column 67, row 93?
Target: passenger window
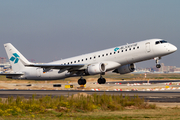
column 103, row 55
column 82, row 59
column 78, row 60
column 110, row 53
column 99, row 56
column 122, row 51
column 68, row 63
column 114, row 52
column 134, row 48
column 107, row 54
column 74, row 61
column 129, row 48
column 138, row 47
column 118, row 51
column 86, row 58
column 71, row 62
column 90, row 57
column 126, row 49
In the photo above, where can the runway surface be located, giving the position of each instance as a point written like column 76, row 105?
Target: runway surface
column 144, row 81
column 151, row 96
column 157, row 91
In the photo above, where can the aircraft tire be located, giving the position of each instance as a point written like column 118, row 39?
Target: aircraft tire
column 158, row 66
column 101, row 80
column 104, row 80
column 81, row 81
column 84, row 81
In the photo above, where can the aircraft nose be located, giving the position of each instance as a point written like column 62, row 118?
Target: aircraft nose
column 172, row 48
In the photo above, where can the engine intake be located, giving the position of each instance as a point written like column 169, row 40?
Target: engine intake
column 96, row 69
column 125, row 69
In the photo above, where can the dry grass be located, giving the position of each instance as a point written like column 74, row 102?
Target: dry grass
column 153, row 114
column 56, row 106
column 138, row 114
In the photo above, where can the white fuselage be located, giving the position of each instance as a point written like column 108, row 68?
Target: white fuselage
column 112, row 58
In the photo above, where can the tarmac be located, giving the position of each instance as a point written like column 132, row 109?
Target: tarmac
column 152, row 91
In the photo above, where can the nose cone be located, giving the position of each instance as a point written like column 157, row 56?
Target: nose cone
column 172, row 48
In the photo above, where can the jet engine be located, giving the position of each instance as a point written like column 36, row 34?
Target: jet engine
column 125, row 69
column 95, row 69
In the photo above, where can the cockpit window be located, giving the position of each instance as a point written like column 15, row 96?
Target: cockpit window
column 160, row 42
column 163, row 41
column 157, row 42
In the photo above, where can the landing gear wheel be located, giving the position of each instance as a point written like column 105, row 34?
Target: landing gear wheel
column 101, row 80
column 81, row 81
column 104, row 81
column 158, row 66
column 157, row 62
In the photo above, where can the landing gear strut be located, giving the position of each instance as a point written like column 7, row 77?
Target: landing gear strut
column 101, row 80
column 157, row 59
column 82, row 81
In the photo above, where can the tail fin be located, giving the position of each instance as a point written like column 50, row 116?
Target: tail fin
column 14, row 57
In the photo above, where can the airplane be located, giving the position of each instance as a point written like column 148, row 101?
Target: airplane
column 119, row 59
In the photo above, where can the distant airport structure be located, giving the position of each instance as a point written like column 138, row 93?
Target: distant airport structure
column 163, row 69
column 167, row 69
column 4, row 65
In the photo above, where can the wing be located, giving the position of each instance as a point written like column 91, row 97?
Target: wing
column 62, row 68
column 55, row 66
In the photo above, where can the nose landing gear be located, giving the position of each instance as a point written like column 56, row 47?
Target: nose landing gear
column 158, row 66
column 157, row 59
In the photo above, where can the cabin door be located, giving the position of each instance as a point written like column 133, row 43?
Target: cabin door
column 148, row 48
column 38, row 71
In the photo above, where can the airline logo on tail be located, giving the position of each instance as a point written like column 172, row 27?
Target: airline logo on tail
column 15, row 58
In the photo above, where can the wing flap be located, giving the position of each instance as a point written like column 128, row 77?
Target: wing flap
column 55, row 66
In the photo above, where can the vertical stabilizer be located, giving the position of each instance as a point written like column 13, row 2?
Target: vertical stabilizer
column 14, row 57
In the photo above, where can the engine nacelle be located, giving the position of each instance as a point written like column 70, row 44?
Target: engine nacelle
column 96, row 69
column 125, row 69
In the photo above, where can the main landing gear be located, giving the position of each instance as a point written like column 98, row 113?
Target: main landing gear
column 101, row 80
column 157, row 59
column 82, row 81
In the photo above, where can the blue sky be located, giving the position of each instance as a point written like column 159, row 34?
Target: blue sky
column 47, row 30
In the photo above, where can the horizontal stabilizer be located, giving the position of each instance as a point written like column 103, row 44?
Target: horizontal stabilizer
column 12, row 73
